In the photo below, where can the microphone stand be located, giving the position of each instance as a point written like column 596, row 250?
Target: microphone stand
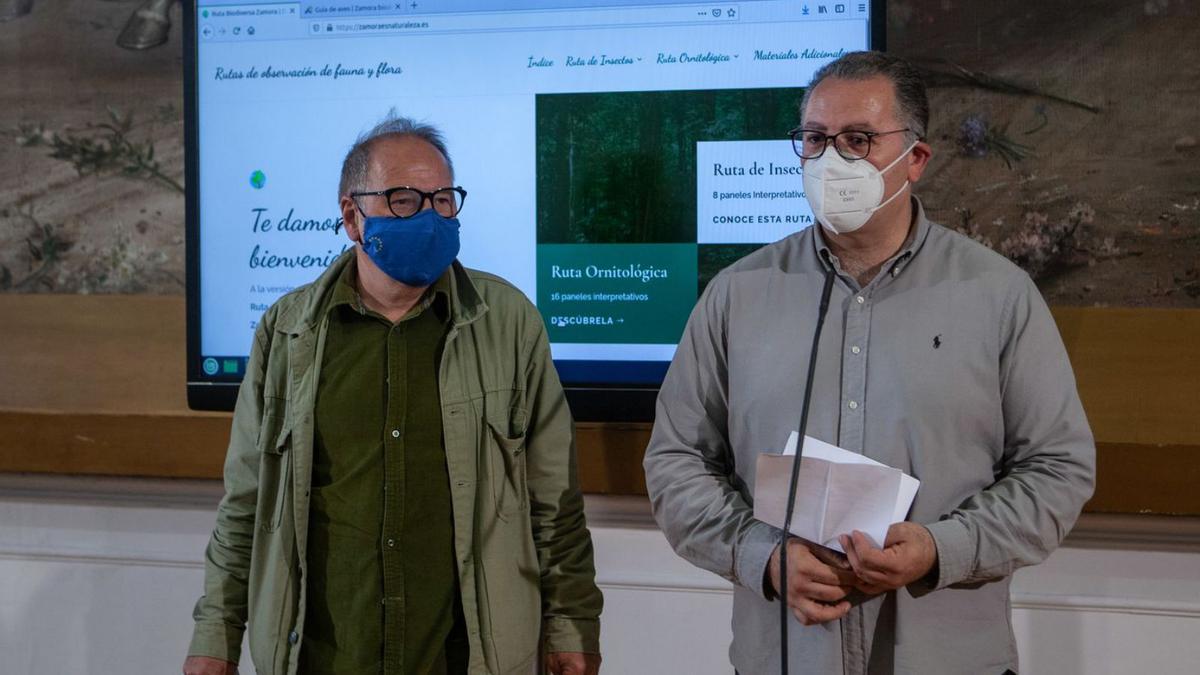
column 791, row 500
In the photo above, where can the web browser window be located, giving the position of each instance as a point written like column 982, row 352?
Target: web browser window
column 615, row 156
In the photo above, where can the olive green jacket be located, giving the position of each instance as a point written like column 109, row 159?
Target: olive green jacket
column 523, row 550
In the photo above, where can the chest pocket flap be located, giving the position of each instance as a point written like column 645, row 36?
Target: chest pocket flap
column 505, row 439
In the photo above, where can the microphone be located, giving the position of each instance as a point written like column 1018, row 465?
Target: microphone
column 791, row 500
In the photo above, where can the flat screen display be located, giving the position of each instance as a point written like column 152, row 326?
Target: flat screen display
column 617, row 154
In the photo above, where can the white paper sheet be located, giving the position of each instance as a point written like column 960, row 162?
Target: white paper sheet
column 817, row 448
column 838, row 491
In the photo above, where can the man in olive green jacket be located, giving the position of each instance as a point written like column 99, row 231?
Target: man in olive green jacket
column 521, row 556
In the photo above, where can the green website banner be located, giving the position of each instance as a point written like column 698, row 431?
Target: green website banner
column 616, row 293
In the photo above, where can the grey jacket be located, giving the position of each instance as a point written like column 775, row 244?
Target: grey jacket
column 949, row 366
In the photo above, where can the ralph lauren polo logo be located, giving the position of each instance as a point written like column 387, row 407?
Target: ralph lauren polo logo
column 937, row 341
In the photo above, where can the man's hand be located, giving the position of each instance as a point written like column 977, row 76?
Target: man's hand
column 203, row 665
column 817, row 582
column 572, row 663
column 908, row 554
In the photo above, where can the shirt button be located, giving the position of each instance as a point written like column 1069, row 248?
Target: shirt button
column 860, row 299
column 391, row 543
column 855, row 349
column 854, row 405
column 293, row 637
column 395, row 433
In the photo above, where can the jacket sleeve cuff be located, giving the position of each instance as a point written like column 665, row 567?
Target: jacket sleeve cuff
column 571, row 636
column 217, row 641
column 753, row 553
column 955, row 551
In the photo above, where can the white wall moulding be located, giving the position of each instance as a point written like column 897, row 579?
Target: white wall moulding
column 73, row 547
column 1093, row 530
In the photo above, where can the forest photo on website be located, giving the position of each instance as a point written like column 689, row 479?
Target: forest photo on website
column 617, row 189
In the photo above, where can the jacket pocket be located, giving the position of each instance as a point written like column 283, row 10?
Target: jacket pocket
column 508, row 473
column 274, row 474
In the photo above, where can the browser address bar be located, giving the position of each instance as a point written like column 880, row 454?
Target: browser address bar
column 509, row 21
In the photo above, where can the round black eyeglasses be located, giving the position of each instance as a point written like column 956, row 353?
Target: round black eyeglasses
column 406, row 202
column 851, row 145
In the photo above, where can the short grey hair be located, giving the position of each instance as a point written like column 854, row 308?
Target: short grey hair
column 912, row 102
column 393, row 125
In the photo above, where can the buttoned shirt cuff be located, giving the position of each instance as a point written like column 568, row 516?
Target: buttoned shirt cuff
column 955, row 551
column 753, row 553
column 217, row 641
column 571, row 636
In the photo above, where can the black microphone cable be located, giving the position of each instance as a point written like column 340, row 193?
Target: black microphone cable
column 791, row 500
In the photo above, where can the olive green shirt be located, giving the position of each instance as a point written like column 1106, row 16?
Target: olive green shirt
column 382, row 593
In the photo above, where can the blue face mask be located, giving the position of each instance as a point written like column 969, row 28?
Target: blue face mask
column 414, row 251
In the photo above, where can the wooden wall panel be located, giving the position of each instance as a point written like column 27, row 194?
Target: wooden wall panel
column 95, row 385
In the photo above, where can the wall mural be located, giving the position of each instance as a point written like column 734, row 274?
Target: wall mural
column 1066, row 139
column 1065, row 135
column 91, row 147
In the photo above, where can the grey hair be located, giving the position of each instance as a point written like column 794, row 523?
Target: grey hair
column 393, row 125
column 912, row 103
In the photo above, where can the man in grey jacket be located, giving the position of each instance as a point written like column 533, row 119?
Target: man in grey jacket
column 938, row 357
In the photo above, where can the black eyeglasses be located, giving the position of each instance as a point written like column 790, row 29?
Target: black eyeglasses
column 406, row 202
column 851, row 145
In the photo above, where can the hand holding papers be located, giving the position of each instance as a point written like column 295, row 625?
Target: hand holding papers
column 838, row 491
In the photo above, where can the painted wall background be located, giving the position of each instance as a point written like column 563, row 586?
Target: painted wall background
column 1065, row 134
column 91, row 149
column 1067, row 139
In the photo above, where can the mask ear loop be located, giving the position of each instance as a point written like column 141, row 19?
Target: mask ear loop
column 362, row 224
column 889, row 168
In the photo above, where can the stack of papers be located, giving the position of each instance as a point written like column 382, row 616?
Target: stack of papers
column 838, row 491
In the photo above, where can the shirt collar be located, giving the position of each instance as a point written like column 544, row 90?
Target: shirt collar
column 894, row 265
column 345, row 293
column 304, row 313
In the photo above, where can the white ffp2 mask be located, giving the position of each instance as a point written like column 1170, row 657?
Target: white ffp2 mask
column 844, row 194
